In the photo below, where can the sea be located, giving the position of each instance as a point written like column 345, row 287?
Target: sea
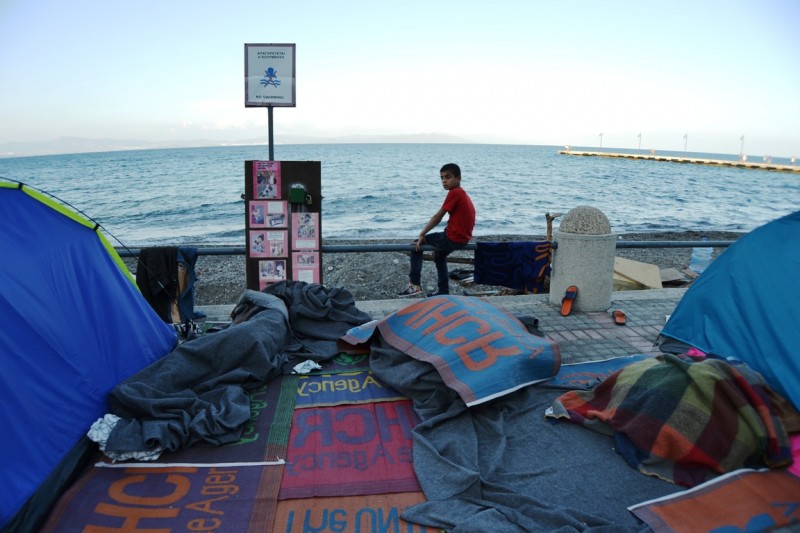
column 193, row 196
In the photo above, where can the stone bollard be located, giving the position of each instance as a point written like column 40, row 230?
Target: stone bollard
column 584, row 258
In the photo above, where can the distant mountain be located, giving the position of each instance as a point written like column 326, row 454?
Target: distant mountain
column 76, row 145
column 420, row 138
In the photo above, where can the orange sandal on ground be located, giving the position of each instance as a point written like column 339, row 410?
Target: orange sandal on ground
column 566, row 301
column 619, row 317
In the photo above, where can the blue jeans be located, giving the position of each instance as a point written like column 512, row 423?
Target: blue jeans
column 444, row 247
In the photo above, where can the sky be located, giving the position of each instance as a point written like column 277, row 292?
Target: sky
column 717, row 76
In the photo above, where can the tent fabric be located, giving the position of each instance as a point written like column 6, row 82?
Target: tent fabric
column 744, row 305
column 74, row 325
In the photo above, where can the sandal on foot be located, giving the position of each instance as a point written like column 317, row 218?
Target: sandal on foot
column 566, row 301
column 410, row 290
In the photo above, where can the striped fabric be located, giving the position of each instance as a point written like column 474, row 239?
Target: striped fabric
column 684, row 421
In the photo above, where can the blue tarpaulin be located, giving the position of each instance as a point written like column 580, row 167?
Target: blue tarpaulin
column 744, row 306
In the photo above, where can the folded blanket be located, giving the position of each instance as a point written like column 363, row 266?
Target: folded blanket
column 318, row 317
column 684, row 421
column 516, row 265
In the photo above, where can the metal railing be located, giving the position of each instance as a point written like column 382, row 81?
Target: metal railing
column 361, row 248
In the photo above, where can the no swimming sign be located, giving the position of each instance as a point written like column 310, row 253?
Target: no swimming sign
column 269, row 77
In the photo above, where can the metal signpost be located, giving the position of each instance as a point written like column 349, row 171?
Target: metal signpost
column 269, row 79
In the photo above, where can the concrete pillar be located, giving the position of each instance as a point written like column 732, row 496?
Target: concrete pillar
column 584, row 258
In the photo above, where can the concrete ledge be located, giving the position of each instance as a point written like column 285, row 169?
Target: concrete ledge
column 515, row 304
column 581, row 336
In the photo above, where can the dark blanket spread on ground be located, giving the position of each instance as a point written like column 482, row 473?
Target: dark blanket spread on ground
column 502, row 467
column 197, row 392
column 318, row 317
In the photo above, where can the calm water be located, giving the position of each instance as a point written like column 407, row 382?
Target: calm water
column 193, row 195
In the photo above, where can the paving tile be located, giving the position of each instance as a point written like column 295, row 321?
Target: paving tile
column 555, row 336
column 581, row 336
column 568, row 335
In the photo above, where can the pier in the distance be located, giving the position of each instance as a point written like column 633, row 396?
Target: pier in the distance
column 695, row 160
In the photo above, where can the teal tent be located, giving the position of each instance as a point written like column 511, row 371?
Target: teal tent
column 74, row 324
column 744, row 306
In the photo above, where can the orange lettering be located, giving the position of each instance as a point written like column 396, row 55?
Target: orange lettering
column 205, row 505
column 418, row 309
column 443, row 320
column 441, row 335
column 117, row 491
column 211, row 490
column 132, row 517
column 484, row 344
column 221, row 479
column 435, row 315
column 204, row 524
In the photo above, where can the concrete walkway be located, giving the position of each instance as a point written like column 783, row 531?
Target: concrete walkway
column 581, row 336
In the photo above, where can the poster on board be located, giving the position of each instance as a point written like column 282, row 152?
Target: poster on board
column 305, row 266
column 268, row 243
column 268, row 214
column 305, row 231
column 271, row 271
column 266, row 179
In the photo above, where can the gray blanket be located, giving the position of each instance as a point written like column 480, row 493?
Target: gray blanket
column 198, row 392
column 318, row 317
column 502, row 467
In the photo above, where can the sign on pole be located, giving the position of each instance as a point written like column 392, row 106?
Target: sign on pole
column 269, row 77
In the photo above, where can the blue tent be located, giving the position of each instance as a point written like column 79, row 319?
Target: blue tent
column 74, row 324
column 745, row 306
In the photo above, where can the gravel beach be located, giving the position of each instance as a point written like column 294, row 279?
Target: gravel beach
column 381, row 275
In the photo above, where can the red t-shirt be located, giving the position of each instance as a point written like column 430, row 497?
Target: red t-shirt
column 462, row 215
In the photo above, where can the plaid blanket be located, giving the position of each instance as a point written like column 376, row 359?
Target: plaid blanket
column 683, row 421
